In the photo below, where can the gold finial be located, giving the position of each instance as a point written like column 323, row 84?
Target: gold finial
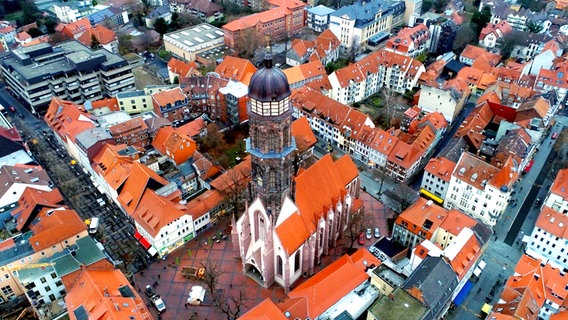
column 267, row 40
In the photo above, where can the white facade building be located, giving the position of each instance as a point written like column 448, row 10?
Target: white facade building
column 479, row 189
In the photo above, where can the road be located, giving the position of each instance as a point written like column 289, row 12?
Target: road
column 116, row 233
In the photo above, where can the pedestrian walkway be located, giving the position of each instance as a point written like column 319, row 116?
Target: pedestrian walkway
column 174, row 288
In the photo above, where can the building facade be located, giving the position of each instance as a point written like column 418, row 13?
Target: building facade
column 187, row 43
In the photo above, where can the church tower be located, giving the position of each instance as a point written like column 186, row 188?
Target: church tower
column 271, row 144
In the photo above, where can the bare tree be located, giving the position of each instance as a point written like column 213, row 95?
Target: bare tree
column 392, row 100
column 354, row 226
column 230, row 305
column 212, row 273
column 249, row 41
column 232, row 184
column 401, row 197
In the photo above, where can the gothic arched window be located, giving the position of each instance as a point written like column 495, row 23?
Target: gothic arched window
column 279, row 265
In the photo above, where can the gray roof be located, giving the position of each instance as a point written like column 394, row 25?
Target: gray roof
column 90, row 137
column 320, row 10
column 159, row 12
column 43, row 61
column 364, row 12
column 19, row 250
column 86, row 253
column 130, row 94
column 436, row 279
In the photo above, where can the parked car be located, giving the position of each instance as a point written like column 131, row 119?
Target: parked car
column 377, row 233
column 361, row 240
column 149, row 291
column 369, row 233
column 158, row 303
column 12, row 109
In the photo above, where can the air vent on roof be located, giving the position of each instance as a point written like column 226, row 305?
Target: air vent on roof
column 29, row 170
column 35, row 179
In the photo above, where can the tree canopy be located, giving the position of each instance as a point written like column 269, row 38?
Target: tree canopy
column 480, row 19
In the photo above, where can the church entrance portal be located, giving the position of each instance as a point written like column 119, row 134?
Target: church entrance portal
column 254, row 273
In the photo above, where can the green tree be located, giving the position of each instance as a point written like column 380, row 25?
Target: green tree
column 34, row 32
column 95, row 43
column 534, row 27
column 30, row 12
column 509, row 41
column 481, row 19
column 50, row 24
column 161, row 26
column 95, row 3
column 464, row 36
column 427, row 5
column 440, row 5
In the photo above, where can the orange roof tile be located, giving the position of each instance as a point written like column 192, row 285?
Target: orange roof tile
column 466, row 257
column 456, row 221
column 560, row 185
column 113, row 167
column 171, row 96
column 204, row 203
column 177, row 146
column 104, row 35
column 182, row 68
column 139, row 179
column 419, row 212
column 329, row 178
column 441, row 167
column 553, row 222
column 472, row 52
column 67, row 119
column 31, row 202
column 514, row 304
column 266, row 310
column 328, row 286
column 205, row 168
column 238, row 176
column 193, row 128
column 254, row 19
column 76, row 28
column 100, row 293
column 128, row 127
column 55, row 226
column 305, row 72
column 110, row 103
column 303, row 134
column 155, row 212
column 237, row 69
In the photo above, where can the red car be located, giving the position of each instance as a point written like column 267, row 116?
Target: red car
column 361, row 240
column 12, row 109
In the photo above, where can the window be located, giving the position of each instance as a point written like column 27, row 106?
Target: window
column 42, row 279
column 7, row 290
column 279, row 266
column 53, row 275
column 297, row 260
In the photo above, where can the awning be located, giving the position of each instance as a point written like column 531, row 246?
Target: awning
column 137, row 235
column 144, row 243
column 432, row 196
column 481, row 264
column 528, row 166
column 486, row 308
column 463, row 293
column 152, row 251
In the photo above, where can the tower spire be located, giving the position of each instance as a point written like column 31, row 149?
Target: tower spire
column 267, row 53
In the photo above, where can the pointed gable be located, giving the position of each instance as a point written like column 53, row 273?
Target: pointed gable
column 139, row 179
column 174, row 144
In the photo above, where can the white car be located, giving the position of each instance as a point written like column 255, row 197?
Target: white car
column 158, row 303
column 377, row 233
column 368, row 234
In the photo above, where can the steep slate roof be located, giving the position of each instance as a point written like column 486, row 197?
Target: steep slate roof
column 432, row 282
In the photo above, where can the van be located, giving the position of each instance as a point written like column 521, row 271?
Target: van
column 94, row 225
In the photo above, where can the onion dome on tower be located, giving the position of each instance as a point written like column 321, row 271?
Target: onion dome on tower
column 269, row 83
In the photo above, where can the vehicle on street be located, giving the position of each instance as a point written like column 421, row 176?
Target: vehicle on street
column 94, row 225
column 149, row 291
column 368, row 234
column 554, row 135
column 377, row 233
column 20, row 115
column 158, row 303
column 361, row 239
column 12, row 109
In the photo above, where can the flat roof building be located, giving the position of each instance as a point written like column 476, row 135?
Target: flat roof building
column 69, row 70
column 187, row 43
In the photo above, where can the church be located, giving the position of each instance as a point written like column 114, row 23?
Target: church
column 294, row 216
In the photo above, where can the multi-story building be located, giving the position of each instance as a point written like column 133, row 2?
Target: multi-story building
column 185, row 44
column 69, row 71
column 549, row 237
column 303, row 74
column 325, row 48
column 7, row 34
column 205, row 10
column 282, row 21
column 72, row 11
column 448, row 98
column 355, row 24
column 410, row 42
column 557, row 198
column 480, row 189
column 133, row 132
column 493, row 32
column 318, row 18
column 380, row 69
column 437, row 176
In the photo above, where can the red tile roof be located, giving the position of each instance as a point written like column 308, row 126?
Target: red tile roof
column 237, row 177
column 74, row 29
column 155, row 212
column 98, row 291
column 110, row 103
column 553, row 222
column 266, row 310
column 303, row 134
column 104, row 35
column 237, row 69
column 171, row 96
column 418, row 213
column 560, row 185
column 193, row 128
column 54, row 227
column 204, row 203
column 320, row 292
column 32, row 202
column 182, row 68
column 177, row 146
column 67, row 119
column 139, row 179
column 441, row 167
column 472, row 52
column 112, row 166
